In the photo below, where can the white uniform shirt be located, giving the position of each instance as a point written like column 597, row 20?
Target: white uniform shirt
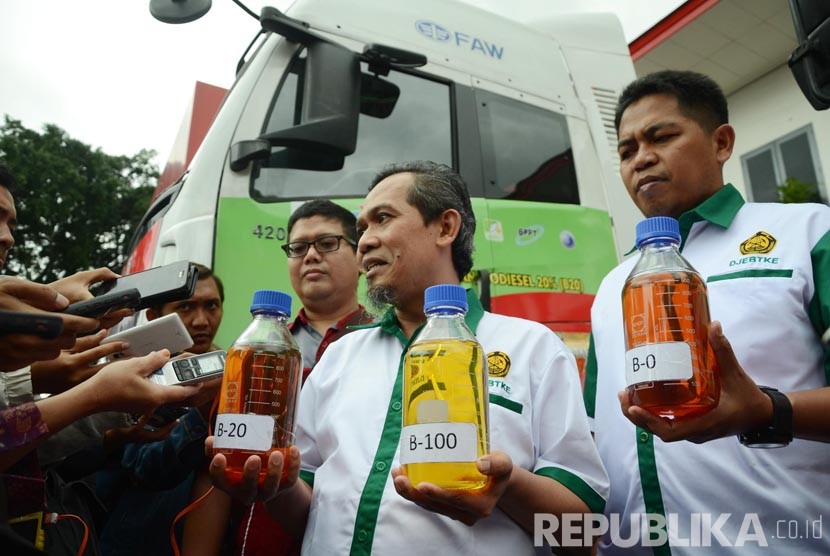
column 773, row 300
column 349, row 426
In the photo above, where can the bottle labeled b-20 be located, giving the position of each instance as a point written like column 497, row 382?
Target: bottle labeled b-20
column 260, row 388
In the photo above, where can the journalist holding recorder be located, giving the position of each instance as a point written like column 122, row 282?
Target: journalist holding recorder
column 79, row 390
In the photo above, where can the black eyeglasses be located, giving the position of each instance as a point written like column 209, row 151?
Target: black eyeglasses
column 324, row 244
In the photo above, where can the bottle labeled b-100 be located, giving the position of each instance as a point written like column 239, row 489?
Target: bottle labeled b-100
column 445, row 404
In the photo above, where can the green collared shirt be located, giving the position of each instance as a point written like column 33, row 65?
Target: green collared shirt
column 719, row 209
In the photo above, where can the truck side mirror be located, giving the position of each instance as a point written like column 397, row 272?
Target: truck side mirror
column 179, row 11
column 810, row 61
column 330, row 109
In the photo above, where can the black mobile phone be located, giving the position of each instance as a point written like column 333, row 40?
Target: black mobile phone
column 157, row 285
column 103, row 304
column 163, row 416
column 45, row 326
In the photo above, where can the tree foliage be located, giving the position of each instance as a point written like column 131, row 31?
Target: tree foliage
column 796, row 191
column 77, row 206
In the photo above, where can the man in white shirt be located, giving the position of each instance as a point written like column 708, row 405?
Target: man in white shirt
column 416, row 230
column 767, row 268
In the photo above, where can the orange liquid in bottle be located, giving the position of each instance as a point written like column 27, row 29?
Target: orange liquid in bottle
column 263, row 382
column 672, row 307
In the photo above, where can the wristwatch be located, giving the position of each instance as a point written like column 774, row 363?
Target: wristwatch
column 780, row 432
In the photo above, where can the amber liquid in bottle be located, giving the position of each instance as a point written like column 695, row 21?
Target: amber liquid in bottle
column 672, row 306
column 259, row 380
column 450, row 371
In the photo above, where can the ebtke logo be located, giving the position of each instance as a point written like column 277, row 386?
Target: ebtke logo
column 498, row 364
column 761, row 242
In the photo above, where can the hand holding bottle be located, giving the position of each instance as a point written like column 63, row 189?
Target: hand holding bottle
column 466, row 506
column 250, row 487
column 742, row 405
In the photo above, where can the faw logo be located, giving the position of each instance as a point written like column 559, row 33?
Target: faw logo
column 762, row 243
column 432, row 30
column 437, row 32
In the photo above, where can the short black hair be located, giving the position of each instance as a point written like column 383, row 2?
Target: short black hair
column 438, row 188
column 698, row 96
column 7, row 179
column 327, row 209
column 204, row 274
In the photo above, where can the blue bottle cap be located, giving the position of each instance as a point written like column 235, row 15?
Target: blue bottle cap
column 271, row 300
column 445, row 295
column 658, row 226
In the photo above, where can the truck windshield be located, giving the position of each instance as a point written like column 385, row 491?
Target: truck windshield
column 419, row 128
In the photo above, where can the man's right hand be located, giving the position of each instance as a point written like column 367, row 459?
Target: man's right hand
column 247, row 491
column 19, row 350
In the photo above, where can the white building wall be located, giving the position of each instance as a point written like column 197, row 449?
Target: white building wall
column 767, row 109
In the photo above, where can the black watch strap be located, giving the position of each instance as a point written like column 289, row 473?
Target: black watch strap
column 780, row 432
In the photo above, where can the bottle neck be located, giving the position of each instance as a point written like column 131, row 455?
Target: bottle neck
column 264, row 314
column 658, row 243
column 446, row 312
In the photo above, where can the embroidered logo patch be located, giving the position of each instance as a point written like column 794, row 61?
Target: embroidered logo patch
column 762, row 242
column 498, row 363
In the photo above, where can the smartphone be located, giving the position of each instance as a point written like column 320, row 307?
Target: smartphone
column 167, row 332
column 45, row 326
column 163, row 416
column 101, row 305
column 158, row 285
column 191, row 370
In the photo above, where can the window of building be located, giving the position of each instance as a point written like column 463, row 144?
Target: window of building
column 792, row 156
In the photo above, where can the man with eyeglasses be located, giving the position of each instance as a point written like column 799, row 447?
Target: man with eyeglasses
column 322, row 265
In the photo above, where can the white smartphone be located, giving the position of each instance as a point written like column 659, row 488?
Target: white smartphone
column 167, row 332
column 191, row 370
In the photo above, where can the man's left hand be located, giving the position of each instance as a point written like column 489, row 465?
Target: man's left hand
column 742, row 406
column 465, row 506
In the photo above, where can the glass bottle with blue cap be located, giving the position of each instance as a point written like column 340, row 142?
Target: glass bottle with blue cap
column 445, row 403
column 261, row 385
column 670, row 368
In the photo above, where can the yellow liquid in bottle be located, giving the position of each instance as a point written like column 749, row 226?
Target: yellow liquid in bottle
column 452, row 371
column 672, row 307
column 261, row 382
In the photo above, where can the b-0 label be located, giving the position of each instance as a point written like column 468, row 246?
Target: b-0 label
column 658, row 362
column 439, row 443
column 237, row 431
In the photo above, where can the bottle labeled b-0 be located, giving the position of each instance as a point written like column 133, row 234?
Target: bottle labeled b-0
column 445, row 403
column 670, row 368
column 260, row 388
